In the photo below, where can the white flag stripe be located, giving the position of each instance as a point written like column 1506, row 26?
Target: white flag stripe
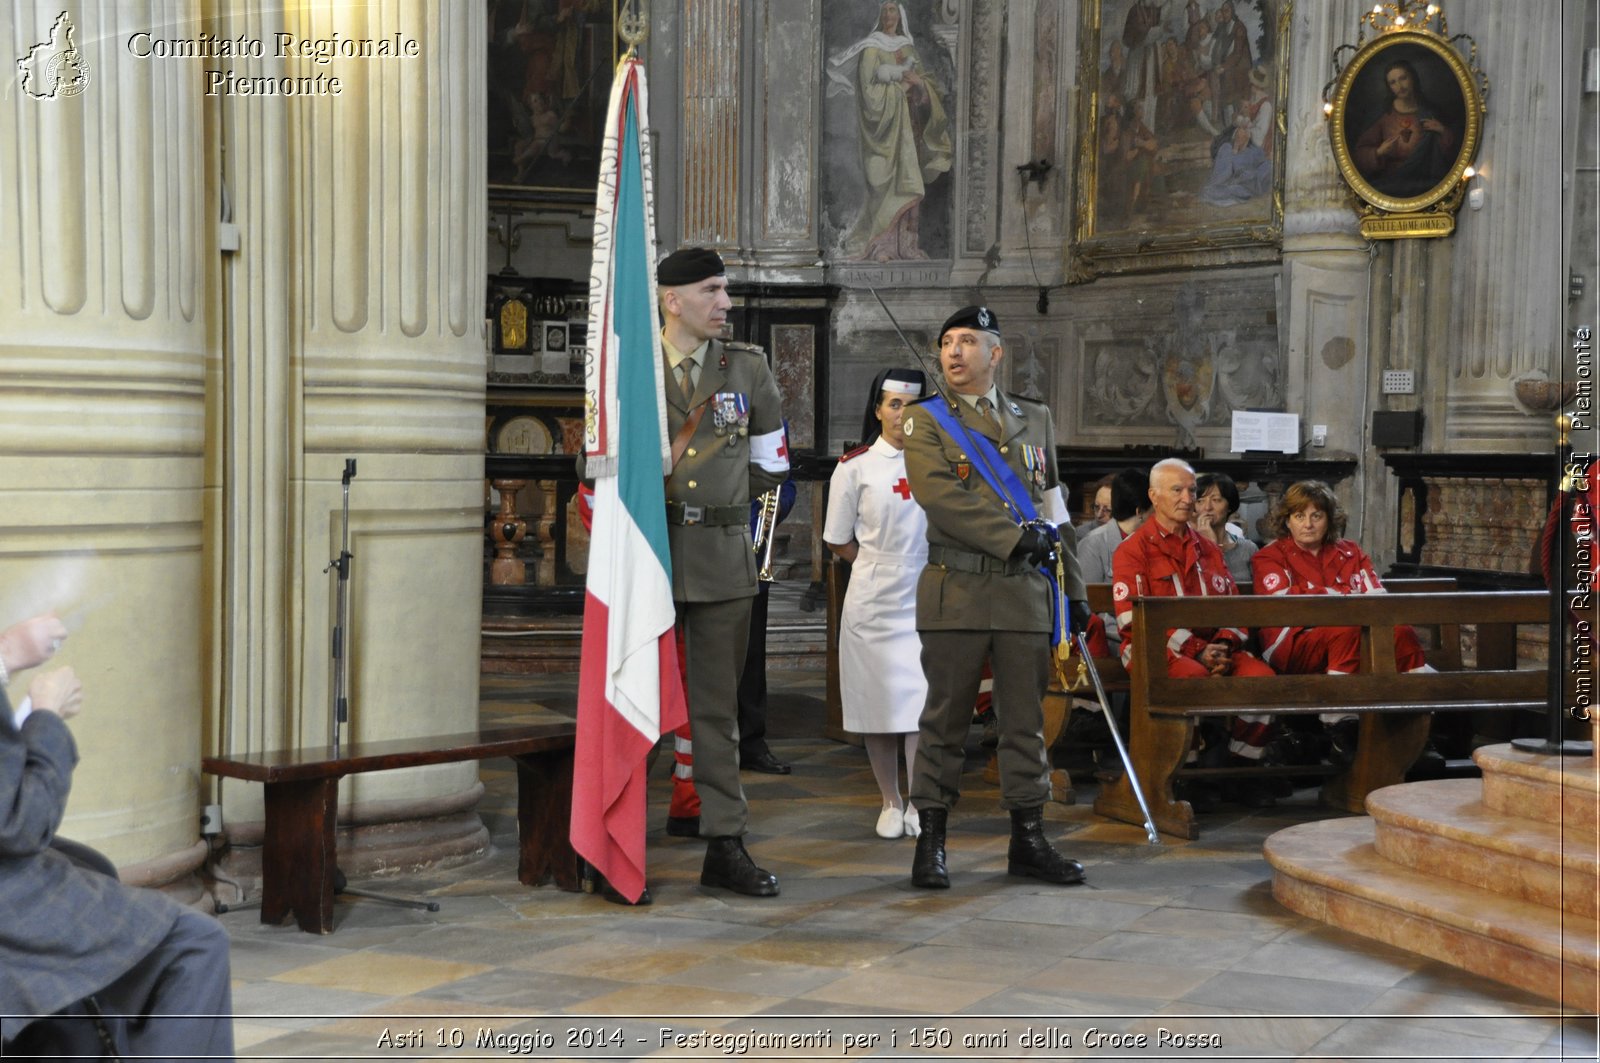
column 624, row 576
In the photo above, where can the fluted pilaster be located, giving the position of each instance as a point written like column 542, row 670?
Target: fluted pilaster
column 355, row 309
column 709, row 50
column 1507, row 289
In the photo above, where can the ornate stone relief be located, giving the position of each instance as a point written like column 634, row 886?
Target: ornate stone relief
column 1212, row 354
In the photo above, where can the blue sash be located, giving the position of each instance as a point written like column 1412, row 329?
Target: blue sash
column 991, row 466
column 1013, row 494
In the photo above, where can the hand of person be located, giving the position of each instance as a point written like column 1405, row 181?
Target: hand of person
column 31, row 642
column 1035, row 547
column 1217, row 658
column 59, row 692
column 1433, row 125
column 1079, row 612
column 1389, row 147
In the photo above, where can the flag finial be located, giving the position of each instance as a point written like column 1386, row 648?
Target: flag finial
column 633, row 26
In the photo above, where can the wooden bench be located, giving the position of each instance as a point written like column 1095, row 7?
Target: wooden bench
column 302, row 795
column 1393, row 708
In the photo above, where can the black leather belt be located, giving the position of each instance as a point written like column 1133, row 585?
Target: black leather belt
column 683, row 513
column 959, row 560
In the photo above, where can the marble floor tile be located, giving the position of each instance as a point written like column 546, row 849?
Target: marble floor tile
column 1283, row 995
column 380, row 973
column 1117, row 978
column 298, row 1006
column 1349, row 963
column 525, row 991
column 1075, row 907
column 903, row 990
column 1405, row 1037
column 757, row 977
column 1188, row 922
column 675, row 999
column 1178, row 950
column 972, row 963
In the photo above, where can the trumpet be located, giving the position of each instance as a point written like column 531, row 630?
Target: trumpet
column 765, row 534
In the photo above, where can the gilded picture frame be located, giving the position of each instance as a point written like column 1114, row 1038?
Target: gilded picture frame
column 1405, row 123
column 549, row 71
column 1167, row 177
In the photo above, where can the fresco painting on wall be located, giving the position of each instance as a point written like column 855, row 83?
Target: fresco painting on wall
column 1181, row 132
column 549, row 70
column 1186, row 366
column 887, row 127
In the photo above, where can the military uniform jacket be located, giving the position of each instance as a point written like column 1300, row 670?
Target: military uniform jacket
column 715, row 562
column 966, row 514
column 66, row 932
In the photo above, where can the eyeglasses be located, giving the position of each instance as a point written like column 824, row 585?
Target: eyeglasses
column 1102, row 511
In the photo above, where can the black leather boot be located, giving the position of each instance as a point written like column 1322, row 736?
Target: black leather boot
column 1031, row 853
column 927, row 867
column 729, row 867
column 683, row 826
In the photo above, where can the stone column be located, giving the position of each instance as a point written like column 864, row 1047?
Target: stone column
column 1325, row 260
column 1041, row 42
column 976, row 122
column 1506, row 282
column 355, row 313
column 781, row 194
column 104, row 221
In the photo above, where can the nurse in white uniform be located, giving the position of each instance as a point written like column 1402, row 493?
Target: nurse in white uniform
column 874, row 523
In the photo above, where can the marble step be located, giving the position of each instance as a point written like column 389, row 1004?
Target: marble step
column 1549, row 789
column 1330, row 870
column 1442, row 827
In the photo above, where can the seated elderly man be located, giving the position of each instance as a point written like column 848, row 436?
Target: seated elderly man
column 1167, row 558
column 75, row 942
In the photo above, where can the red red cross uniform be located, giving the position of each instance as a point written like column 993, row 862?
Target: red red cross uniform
column 1341, row 567
column 1179, row 564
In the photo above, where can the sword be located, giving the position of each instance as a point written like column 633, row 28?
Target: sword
column 1122, row 750
column 934, row 374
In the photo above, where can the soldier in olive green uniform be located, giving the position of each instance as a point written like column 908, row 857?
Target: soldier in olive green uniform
column 734, row 453
column 982, row 595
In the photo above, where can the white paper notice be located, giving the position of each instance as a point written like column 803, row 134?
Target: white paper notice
column 1277, row 432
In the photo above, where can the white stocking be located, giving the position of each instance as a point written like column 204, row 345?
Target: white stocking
column 884, row 754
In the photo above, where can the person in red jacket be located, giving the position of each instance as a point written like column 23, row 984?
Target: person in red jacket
column 1166, row 558
column 1308, row 556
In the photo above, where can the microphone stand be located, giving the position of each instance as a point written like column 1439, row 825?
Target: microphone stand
column 339, row 668
column 339, row 665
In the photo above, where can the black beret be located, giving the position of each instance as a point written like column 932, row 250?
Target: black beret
column 689, row 265
column 979, row 318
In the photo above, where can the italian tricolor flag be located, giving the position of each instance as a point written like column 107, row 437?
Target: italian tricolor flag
column 630, row 691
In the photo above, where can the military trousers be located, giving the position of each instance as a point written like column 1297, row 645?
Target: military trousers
column 714, row 640
column 953, row 663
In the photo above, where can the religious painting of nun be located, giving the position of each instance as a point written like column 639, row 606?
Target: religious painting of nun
column 889, row 74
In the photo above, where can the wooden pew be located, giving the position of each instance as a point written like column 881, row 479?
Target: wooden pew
column 302, row 795
column 1393, row 708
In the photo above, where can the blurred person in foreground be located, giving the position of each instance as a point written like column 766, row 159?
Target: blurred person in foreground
column 74, row 942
